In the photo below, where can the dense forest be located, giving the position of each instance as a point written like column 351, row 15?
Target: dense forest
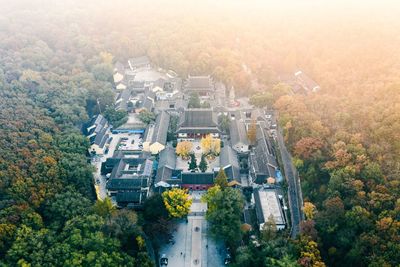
column 56, row 60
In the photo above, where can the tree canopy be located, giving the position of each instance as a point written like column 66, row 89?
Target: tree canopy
column 177, row 202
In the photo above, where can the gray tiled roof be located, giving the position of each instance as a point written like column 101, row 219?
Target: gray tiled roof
column 119, row 67
column 161, row 128
column 137, row 85
column 167, row 158
column 198, row 118
column 123, row 99
column 238, row 132
column 263, row 162
column 198, row 178
column 166, row 164
column 306, row 81
column 98, row 129
column 131, row 168
column 199, row 82
column 148, row 102
column 139, row 61
column 127, row 184
column 230, row 163
column 131, row 197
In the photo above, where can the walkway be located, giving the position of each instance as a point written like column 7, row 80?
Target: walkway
column 192, row 246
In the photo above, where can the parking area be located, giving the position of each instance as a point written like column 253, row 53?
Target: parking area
column 192, row 245
column 130, row 142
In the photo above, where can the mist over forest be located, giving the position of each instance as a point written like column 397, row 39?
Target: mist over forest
column 57, row 60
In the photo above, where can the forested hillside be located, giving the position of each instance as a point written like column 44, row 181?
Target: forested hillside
column 50, row 78
column 56, row 60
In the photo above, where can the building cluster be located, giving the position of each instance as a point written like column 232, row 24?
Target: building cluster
column 140, row 159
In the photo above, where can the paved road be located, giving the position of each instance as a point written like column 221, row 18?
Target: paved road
column 294, row 189
column 192, row 246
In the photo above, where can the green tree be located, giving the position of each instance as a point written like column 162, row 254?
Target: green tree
column 194, row 101
column 102, row 71
column 225, row 215
column 203, row 164
column 193, row 163
column 104, row 208
column 268, row 231
column 224, row 123
column 154, row 208
column 209, row 198
column 262, row 100
column 157, row 226
column 65, row 206
column 147, row 117
column 221, row 180
column 116, row 117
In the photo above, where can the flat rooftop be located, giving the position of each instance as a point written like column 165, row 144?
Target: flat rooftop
column 269, row 205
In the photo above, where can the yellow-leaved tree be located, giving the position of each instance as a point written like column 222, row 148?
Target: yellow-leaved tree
column 210, row 145
column 177, row 202
column 309, row 210
column 183, row 149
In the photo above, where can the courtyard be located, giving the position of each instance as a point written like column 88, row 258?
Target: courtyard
column 183, row 164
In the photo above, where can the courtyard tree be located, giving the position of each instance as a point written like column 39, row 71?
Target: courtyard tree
column 194, row 101
column 193, row 163
column 221, row 180
column 203, row 164
column 252, row 132
column 115, row 117
column 183, row 149
column 177, row 202
column 211, row 146
column 147, row 117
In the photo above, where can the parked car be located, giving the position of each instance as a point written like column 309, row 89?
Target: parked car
column 163, row 260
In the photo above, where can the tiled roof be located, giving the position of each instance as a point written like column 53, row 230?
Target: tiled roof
column 198, row 178
column 138, row 61
column 121, row 184
column 198, row 118
column 230, row 163
column 199, row 82
column 238, row 132
column 131, row 197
